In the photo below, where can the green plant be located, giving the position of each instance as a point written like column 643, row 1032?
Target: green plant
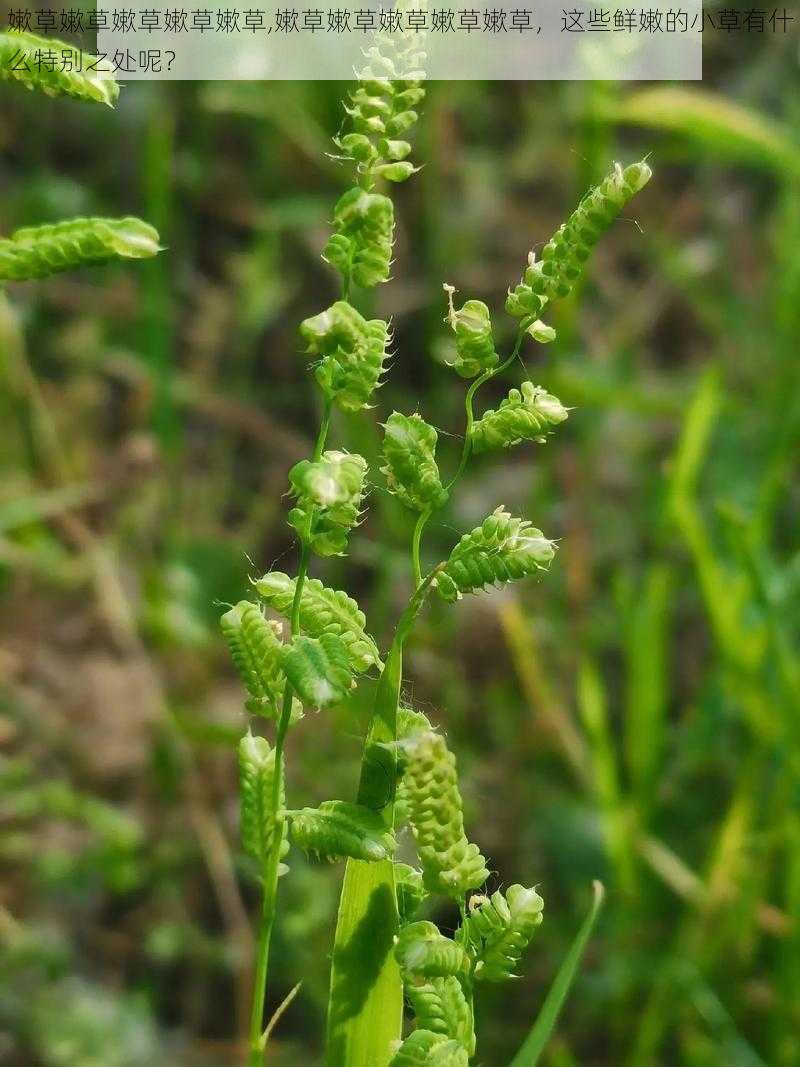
column 313, row 659
column 59, row 69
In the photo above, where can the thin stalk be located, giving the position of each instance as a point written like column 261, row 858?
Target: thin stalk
column 272, row 866
column 415, row 542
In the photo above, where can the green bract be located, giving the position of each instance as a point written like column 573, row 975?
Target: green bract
column 56, row 68
column 329, row 492
column 318, row 669
column 472, row 325
column 323, row 611
column 525, row 415
column 39, row 251
column 565, row 254
column 451, row 865
column 337, row 829
column 499, row 929
column 353, row 353
column 500, row 550
column 409, row 451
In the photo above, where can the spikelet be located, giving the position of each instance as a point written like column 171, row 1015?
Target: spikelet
column 318, row 669
column 361, row 244
column 502, row 549
column 39, row 251
column 440, row 1005
column 422, row 951
column 499, row 929
column 565, row 254
column 472, row 326
column 338, row 830
column 329, row 493
column 256, row 647
column 56, row 68
column 409, row 451
column 323, row 611
column 423, row 1048
column 410, row 891
column 451, row 865
column 525, row 415
column 352, row 351
column 256, row 784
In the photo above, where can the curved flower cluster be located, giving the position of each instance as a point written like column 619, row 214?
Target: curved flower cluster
column 499, row 929
column 565, row 254
column 256, row 646
column 318, row 669
column 323, row 611
column 338, row 829
column 81, row 76
column 424, row 1048
column 472, row 325
column 256, row 783
column 409, row 449
column 525, row 415
column 500, row 550
column 351, row 351
column 39, row 251
column 451, row 865
column 329, row 493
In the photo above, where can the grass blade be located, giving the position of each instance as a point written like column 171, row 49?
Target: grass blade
column 537, row 1039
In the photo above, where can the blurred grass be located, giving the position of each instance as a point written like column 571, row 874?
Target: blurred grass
column 632, row 718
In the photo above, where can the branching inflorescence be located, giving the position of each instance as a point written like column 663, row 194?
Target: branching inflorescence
column 409, row 776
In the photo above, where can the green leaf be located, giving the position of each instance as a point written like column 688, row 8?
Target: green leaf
column 721, row 126
column 318, row 669
column 537, row 1039
column 338, row 829
column 323, row 611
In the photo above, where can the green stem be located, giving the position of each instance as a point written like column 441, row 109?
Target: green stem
column 272, row 865
column 469, row 399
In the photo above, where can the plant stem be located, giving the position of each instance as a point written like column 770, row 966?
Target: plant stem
column 422, row 521
column 273, row 862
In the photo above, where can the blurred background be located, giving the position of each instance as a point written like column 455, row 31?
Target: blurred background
column 633, row 717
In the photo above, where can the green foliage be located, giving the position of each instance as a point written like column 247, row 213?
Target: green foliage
column 24, row 59
column 256, row 785
column 329, row 493
column 499, row 929
column 472, row 325
column 423, row 952
column 318, row 669
column 338, row 829
column 409, row 451
column 256, row 646
column 502, row 549
column 323, row 611
column 352, row 353
column 565, row 254
column 426, row 1049
column 39, row 251
column 526, row 414
column 451, row 865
